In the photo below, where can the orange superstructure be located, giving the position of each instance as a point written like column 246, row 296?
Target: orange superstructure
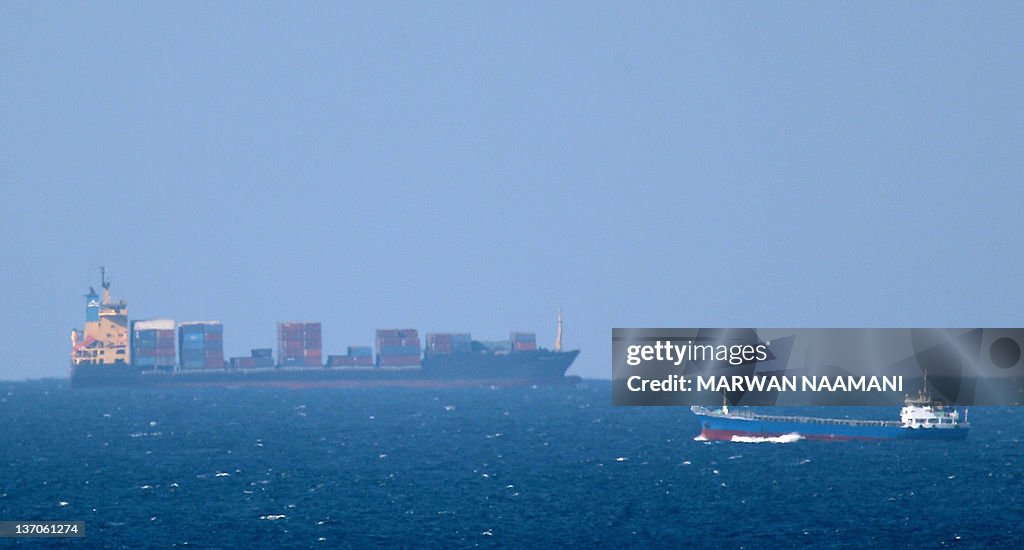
column 104, row 341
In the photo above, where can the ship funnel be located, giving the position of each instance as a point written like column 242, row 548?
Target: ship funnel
column 92, row 306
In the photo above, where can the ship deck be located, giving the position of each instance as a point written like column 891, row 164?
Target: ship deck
column 747, row 415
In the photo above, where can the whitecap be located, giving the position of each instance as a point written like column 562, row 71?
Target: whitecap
column 223, row 474
column 273, row 517
column 700, row 438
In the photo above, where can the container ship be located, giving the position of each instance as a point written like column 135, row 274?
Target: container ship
column 112, row 351
column 920, row 418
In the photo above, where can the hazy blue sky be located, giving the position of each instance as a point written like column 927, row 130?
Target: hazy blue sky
column 473, row 166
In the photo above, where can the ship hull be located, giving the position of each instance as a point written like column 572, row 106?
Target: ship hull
column 520, row 369
column 725, row 428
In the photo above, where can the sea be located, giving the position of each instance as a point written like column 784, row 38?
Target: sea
column 535, row 467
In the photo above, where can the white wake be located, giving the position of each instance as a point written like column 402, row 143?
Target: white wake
column 786, row 438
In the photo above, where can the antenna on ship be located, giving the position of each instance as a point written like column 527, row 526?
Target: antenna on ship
column 558, row 336
column 103, row 278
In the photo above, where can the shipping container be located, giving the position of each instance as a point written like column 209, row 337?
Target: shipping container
column 144, row 336
column 243, row 362
column 192, row 355
column 398, row 360
column 397, row 333
column 194, row 327
column 144, row 352
column 438, row 338
column 497, row 346
column 399, row 350
column 453, row 342
column 524, row 346
column 389, row 342
column 360, row 351
column 349, row 361
column 292, row 345
column 523, row 337
column 262, row 352
column 438, row 347
column 153, row 324
column 295, row 339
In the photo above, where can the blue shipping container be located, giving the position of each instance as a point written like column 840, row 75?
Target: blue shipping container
column 399, row 350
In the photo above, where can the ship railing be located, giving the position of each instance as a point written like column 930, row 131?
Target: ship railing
column 800, row 419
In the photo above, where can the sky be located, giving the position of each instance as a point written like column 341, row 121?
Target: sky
column 474, row 166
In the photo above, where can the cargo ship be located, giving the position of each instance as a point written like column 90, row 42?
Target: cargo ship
column 112, row 351
column 920, row 418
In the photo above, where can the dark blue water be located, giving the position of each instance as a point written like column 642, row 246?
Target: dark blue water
column 532, row 466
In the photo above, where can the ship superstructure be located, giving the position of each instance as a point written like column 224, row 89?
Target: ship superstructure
column 104, row 340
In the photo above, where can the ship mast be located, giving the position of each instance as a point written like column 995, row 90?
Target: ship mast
column 558, row 336
column 105, row 283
